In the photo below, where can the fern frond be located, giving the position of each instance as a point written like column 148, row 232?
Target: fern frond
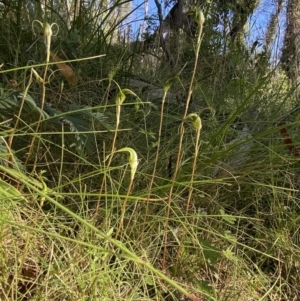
column 90, row 114
column 79, row 127
column 78, row 120
column 10, row 106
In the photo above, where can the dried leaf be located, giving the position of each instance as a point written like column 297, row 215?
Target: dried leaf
column 65, row 70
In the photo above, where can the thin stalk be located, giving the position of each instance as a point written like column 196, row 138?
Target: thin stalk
column 118, row 113
column 199, row 18
column 166, row 89
column 123, row 210
column 196, row 122
column 47, row 31
column 196, row 152
column 119, row 101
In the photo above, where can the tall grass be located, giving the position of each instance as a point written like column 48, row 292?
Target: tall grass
column 204, row 217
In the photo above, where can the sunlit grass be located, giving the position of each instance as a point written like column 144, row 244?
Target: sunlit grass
column 189, row 216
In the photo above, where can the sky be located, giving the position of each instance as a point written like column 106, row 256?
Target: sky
column 258, row 22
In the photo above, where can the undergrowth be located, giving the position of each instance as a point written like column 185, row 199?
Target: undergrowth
column 205, row 208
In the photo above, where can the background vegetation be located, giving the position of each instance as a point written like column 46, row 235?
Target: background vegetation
column 151, row 159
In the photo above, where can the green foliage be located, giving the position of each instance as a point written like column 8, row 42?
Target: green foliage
column 211, row 216
column 24, row 106
column 28, row 110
